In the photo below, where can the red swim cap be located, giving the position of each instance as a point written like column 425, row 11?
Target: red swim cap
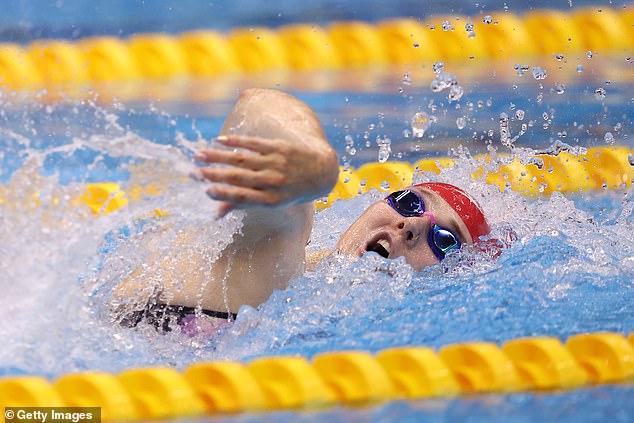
column 466, row 206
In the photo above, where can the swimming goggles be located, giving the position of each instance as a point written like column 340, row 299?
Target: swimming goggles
column 409, row 204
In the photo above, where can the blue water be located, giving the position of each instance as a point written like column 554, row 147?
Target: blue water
column 570, row 270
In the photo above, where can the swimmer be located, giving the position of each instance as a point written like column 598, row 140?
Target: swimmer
column 277, row 161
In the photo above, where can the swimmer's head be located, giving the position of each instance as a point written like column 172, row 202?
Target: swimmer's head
column 420, row 223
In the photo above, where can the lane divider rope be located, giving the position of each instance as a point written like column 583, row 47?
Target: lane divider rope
column 339, row 377
column 301, row 47
column 607, row 168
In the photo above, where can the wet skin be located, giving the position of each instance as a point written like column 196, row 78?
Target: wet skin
column 402, row 236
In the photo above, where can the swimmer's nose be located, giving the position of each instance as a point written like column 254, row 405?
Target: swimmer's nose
column 413, row 230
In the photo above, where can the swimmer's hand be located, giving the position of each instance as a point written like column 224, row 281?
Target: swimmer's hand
column 271, row 172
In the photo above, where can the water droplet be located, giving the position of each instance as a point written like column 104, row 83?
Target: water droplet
column 559, row 56
column 519, row 114
column 469, row 28
column 579, row 68
column 608, row 138
column 443, row 81
column 446, row 26
column 487, row 19
column 545, row 116
column 406, row 79
column 630, row 158
column 560, row 89
column 539, row 73
column 505, row 136
column 416, row 45
column 420, row 123
column 438, row 67
column 461, row 122
column 599, row 93
column 455, row 93
column 589, row 54
column 385, row 149
column 385, row 185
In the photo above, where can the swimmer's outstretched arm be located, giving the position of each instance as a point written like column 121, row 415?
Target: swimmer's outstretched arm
column 279, row 162
column 284, row 157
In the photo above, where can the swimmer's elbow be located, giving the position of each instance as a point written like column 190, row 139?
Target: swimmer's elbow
column 331, row 169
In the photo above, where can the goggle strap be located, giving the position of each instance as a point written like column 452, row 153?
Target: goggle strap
column 432, row 219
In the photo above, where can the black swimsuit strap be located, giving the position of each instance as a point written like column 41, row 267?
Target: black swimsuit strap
column 184, row 310
column 161, row 315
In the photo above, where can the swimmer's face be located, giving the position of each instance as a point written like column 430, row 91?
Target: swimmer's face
column 402, row 236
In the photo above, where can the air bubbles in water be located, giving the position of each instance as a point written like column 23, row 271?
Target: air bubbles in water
column 406, row 79
column 559, row 57
column 420, row 123
column 599, row 93
column 589, row 54
column 539, row 73
column 446, row 26
column 461, row 122
column 560, row 89
column 579, row 68
column 608, row 138
column 519, row 114
column 630, row 158
column 487, row 19
column 438, row 67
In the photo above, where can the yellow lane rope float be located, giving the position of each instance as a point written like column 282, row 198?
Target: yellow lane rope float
column 599, row 168
column 339, row 377
column 301, row 47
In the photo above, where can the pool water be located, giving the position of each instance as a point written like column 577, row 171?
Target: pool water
column 569, row 271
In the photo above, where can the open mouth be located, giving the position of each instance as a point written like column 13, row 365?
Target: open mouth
column 381, row 247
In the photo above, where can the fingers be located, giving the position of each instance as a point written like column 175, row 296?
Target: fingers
column 243, row 177
column 235, row 158
column 242, row 196
column 225, row 208
column 259, row 145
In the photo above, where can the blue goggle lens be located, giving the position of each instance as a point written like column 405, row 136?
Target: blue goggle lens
column 407, row 203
